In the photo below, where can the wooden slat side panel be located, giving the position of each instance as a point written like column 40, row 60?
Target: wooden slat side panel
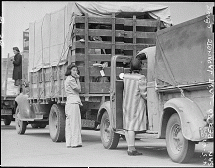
column 86, row 46
column 119, row 33
column 128, row 34
column 80, row 19
column 82, row 87
column 108, row 45
column 94, row 57
column 134, row 22
column 126, row 21
column 141, row 22
column 97, row 87
column 94, row 71
column 99, row 32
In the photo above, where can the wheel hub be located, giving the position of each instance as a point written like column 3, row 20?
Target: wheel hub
column 18, row 119
column 177, row 139
column 106, row 132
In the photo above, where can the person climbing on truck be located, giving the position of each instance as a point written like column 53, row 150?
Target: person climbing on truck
column 134, row 105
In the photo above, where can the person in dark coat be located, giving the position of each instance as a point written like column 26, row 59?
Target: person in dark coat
column 17, row 70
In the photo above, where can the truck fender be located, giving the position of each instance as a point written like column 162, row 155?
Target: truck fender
column 104, row 107
column 190, row 116
column 26, row 111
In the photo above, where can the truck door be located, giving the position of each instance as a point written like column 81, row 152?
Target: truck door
column 116, row 89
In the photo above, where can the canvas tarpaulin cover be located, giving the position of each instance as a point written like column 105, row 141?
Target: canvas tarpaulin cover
column 185, row 53
column 50, row 36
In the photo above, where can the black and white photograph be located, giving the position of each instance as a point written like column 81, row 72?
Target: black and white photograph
column 107, row 84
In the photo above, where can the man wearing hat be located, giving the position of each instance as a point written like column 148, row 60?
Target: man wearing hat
column 17, row 70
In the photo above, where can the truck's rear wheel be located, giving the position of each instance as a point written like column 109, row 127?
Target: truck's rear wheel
column 7, row 120
column 57, row 123
column 179, row 149
column 20, row 125
column 109, row 138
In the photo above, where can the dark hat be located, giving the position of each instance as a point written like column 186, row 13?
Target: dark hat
column 16, row 48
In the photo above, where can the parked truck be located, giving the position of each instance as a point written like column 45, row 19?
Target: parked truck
column 8, row 90
column 87, row 34
column 180, row 81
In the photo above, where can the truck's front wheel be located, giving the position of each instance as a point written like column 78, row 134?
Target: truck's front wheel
column 7, row 120
column 109, row 138
column 179, row 149
column 57, row 123
column 20, row 125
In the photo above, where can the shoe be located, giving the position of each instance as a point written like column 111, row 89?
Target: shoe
column 76, row 146
column 134, row 153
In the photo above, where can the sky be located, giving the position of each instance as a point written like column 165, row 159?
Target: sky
column 18, row 14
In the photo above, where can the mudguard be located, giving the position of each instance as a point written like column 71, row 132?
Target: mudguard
column 190, row 115
column 26, row 111
column 105, row 107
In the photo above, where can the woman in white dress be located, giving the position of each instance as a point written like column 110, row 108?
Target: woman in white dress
column 72, row 109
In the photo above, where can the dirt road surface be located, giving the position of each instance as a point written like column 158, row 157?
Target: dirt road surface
column 35, row 148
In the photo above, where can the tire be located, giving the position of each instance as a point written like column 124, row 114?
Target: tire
column 42, row 125
column 7, row 120
column 57, row 123
column 34, row 125
column 20, row 125
column 109, row 138
column 179, row 149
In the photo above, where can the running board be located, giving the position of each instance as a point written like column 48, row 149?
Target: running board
column 147, row 135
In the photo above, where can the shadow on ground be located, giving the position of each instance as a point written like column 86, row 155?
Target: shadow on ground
column 8, row 127
column 161, row 153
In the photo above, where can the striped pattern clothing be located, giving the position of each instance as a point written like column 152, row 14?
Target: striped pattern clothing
column 134, row 102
